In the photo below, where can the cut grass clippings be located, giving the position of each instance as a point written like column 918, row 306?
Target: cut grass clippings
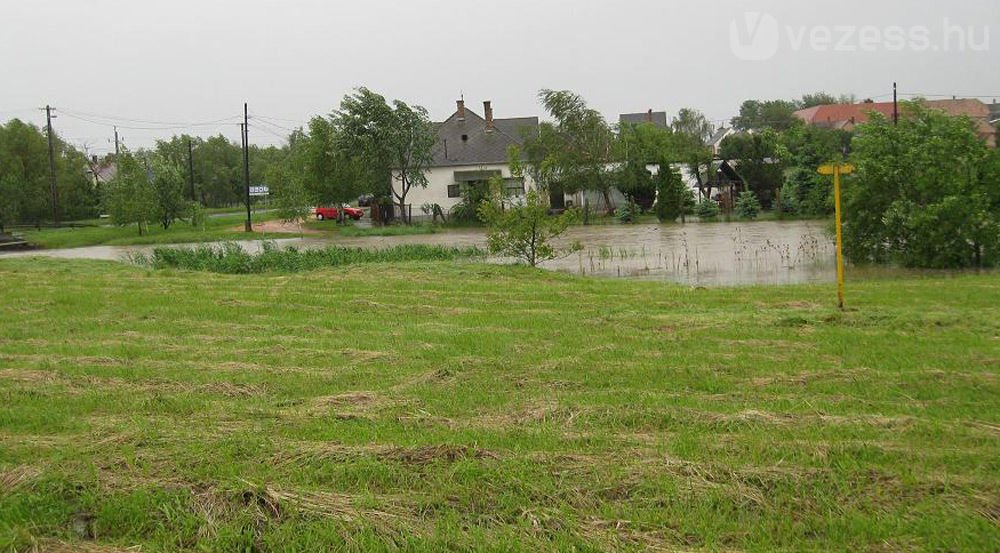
column 440, row 405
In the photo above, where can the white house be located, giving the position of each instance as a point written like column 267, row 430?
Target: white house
column 470, row 150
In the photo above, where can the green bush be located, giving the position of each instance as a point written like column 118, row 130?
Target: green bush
column 466, row 210
column 747, row 205
column 707, row 210
column 626, row 213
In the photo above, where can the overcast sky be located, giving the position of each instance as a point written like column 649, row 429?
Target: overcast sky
column 179, row 62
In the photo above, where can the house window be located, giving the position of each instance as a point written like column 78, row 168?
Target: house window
column 513, row 187
column 454, row 191
column 465, row 138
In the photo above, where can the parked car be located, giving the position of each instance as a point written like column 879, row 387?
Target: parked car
column 333, row 213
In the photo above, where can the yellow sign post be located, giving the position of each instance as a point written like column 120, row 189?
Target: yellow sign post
column 836, row 170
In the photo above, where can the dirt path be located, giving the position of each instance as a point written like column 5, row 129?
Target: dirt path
column 280, row 227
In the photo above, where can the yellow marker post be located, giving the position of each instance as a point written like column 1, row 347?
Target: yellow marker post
column 836, row 170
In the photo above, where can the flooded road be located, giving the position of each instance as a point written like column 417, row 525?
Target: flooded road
column 698, row 254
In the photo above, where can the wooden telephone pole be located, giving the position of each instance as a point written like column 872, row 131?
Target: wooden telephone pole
column 246, row 164
column 191, row 169
column 52, row 166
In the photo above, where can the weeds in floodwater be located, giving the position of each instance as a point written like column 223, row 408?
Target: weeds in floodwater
column 230, row 258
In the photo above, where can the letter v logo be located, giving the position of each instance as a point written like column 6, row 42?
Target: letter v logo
column 756, row 39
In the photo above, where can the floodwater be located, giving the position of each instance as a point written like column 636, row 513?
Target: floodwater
column 697, row 254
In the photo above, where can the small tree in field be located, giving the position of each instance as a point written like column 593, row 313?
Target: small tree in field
column 522, row 229
column 168, row 185
column 130, row 197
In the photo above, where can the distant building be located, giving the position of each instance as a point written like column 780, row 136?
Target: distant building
column 848, row 116
column 657, row 118
column 471, row 149
column 715, row 142
column 101, row 171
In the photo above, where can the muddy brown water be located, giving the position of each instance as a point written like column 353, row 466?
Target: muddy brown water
column 697, row 254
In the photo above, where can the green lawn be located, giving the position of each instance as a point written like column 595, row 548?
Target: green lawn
column 462, row 406
column 228, row 227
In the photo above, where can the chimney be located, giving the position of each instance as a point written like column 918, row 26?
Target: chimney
column 488, row 114
column 649, row 115
column 461, row 109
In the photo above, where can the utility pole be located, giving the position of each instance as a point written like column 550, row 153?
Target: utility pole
column 246, row 164
column 895, row 106
column 116, row 144
column 191, row 169
column 52, row 167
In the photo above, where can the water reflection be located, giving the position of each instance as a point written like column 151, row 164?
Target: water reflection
column 702, row 254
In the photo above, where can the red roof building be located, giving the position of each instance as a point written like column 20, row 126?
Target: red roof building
column 848, row 116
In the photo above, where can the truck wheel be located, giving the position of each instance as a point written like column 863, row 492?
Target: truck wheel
column 319, row 216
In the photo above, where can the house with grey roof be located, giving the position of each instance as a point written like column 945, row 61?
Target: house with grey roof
column 471, row 149
column 715, row 142
column 657, row 118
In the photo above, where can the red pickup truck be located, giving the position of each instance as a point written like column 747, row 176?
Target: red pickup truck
column 333, row 213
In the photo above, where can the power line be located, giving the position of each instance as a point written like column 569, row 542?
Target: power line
column 296, row 121
column 114, row 118
column 271, row 121
column 268, row 131
column 956, row 96
column 108, row 123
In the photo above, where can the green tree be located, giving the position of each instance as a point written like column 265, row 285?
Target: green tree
column 635, row 182
column 383, row 140
column 925, row 193
column 218, row 168
column 823, row 98
column 333, row 175
column 807, row 147
column 24, row 167
column 522, row 229
column 757, row 115
column 693, row 123
column 24, row 172
column 573, row 152
column 693, row 131
column 747, row 205
column 639, row 146
column 10, row 201
column 167, row 181
column 673, row 199
column 288, row 178
column 758, row 159
column 130, row 198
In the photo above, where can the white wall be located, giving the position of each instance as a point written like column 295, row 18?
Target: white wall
column 438, row 180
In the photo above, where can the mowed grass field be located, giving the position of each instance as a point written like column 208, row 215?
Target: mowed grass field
column 463, row 406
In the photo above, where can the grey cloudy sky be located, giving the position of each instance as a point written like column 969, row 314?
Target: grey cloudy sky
column 147, row 63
